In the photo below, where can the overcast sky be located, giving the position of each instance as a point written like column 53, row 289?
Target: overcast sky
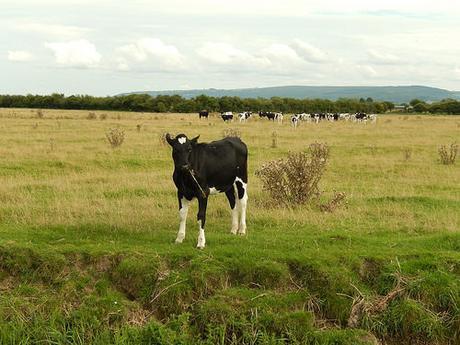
column 103, row 47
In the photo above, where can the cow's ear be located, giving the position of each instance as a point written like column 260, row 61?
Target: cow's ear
column 169, row 139
column 195, row 140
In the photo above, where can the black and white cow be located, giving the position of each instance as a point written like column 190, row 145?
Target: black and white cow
column 268, row 114
column 203, row 113
column 295, row 120
column 227, row 116
column 360, row 117
column 279, row 117
column 244, row 116
column 201, row 169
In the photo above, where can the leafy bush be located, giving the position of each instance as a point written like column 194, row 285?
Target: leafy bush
column 274, row 140
column 407, row 153
column 91, row 116
column 337, row 200
column 294, row 180
column 115, row 136
column 447, row 155
column 231, row 133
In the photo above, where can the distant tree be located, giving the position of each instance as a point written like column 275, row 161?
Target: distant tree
column 421, row 107
column 415, row 101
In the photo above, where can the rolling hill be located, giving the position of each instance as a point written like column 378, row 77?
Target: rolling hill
column 397, row 94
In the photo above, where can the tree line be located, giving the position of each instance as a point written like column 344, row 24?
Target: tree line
column 446, row 106
column 176, row 103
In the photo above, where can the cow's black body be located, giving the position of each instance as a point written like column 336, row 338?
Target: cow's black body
column 268, row 114
column 215, row 165
column 203, row 113
column 227, row 117
column 361, row 116
column 202, row 168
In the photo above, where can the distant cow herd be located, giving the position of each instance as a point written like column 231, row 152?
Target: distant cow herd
column 296, row 119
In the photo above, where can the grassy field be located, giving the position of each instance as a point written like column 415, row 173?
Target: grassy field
column 87, row 251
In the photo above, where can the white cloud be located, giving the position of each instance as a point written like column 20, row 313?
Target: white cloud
column 383, row 58
column 152, row 53
column 281, row 53
column 79, row 53
column 225, row 54
column 457, row 72
column 367, row 71
column 308, row 52
column 49, row 30
column 19, row 55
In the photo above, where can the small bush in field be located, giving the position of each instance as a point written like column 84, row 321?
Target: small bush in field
column 231, row 133
column 40, row 114
column 337, row 200
column 52, row 145
column 139, row 127
column 91, row 116
column 274, row 140
column 162, row 138
column 447, row 155
column 115, row 136
column 294, row 180
column 103, row 117
column 407, row 153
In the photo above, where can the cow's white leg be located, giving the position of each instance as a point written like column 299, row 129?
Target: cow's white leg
column 242, row 203
column 183, row 220
column 201, row 218
column 201, row 239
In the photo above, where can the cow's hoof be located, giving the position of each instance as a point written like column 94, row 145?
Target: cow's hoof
column 234, row 231
column 200, row 246
column 179, row 240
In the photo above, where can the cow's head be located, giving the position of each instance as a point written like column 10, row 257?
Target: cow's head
column 181, row 150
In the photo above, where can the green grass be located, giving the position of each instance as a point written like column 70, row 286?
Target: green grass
column 87, row 232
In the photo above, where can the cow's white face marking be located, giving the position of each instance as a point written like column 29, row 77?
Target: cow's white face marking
column 182, row 140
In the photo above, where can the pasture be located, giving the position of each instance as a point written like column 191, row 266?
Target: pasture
column 87, row 251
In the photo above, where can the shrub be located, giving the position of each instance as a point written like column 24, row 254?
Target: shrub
column 115, row 136
column 91, row 116
column 231, row 133
column 103, row 117
column 337, row 200
column 447, row 155
column 274, row 140
column 407, row 153
column 40, row 114
column 162, row 138
column 139, row 127
column 294, row 180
